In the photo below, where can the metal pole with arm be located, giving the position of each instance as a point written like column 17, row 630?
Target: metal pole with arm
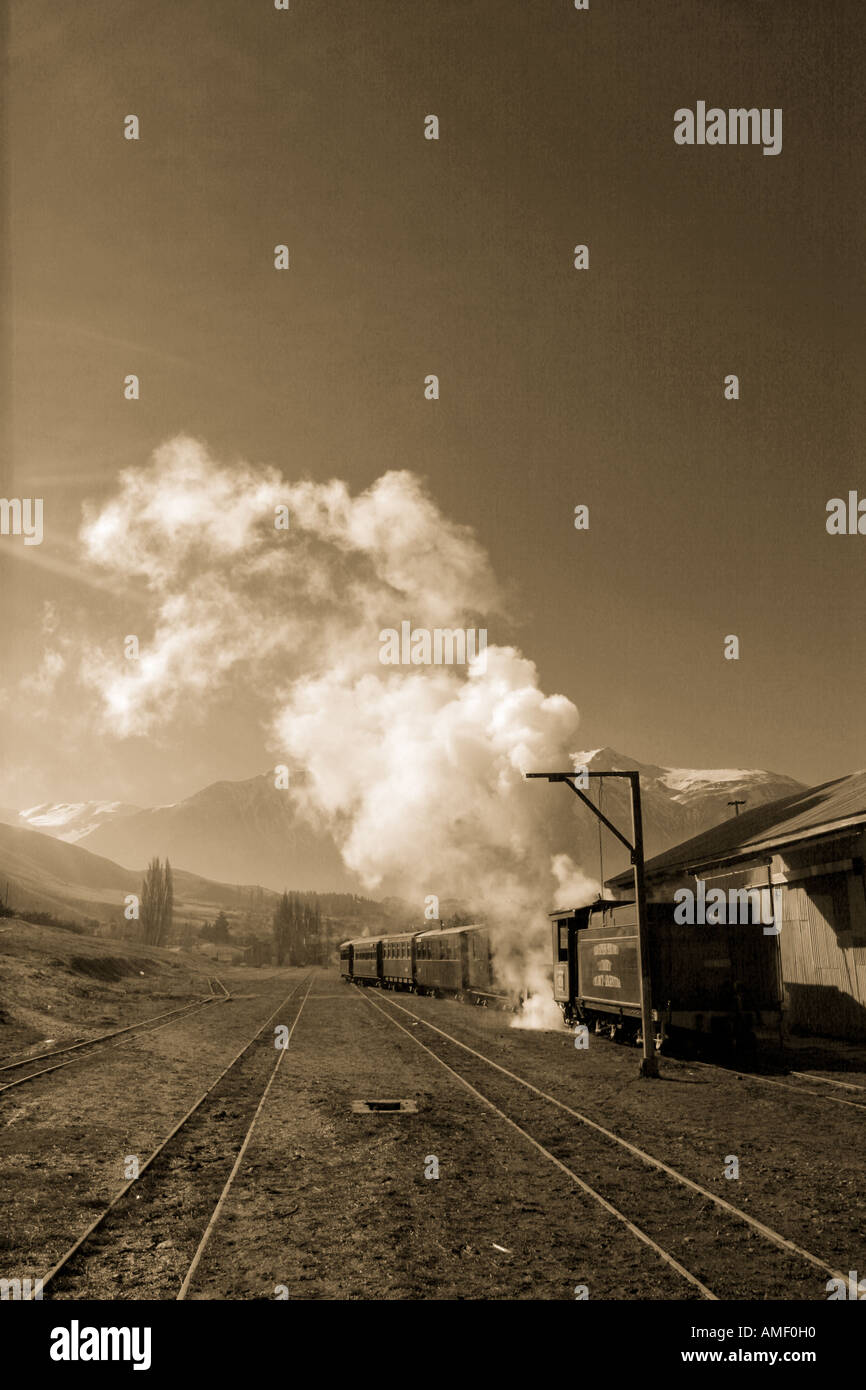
column 649, row 1066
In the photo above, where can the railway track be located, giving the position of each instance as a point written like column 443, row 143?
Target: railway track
column 180, row 1190
column 680, row 1220
column 830, row 1080
column 774, row 1081
column 104, row 1042
column 795, row 1090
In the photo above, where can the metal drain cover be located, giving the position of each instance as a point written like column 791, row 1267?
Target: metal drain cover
column 375, row 1107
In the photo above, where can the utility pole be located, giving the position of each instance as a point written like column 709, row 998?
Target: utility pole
column 736, row 805
column 649, row 1066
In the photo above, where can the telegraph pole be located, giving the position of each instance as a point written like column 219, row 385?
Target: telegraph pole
column 736, row 805
column 649, row 1066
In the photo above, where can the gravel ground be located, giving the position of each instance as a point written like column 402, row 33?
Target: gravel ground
column 65, row 1139
column 330, row 1204
column 336, row 1205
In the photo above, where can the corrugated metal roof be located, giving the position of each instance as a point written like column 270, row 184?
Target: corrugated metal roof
column 804, row 815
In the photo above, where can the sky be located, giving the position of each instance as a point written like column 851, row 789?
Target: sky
column 558, row 387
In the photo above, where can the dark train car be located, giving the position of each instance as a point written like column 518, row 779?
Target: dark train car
column 346, row 951
column 717, row 982
column 459, row 961
column 398, row 961
column 482, row 985
column 441, row 961
column 367, row 960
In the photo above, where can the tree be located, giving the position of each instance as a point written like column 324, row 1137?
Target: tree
column 156, row 905
column 297, row 930
column 313, row 934
column 220, row 930
column 168, row 885
column 283, row 924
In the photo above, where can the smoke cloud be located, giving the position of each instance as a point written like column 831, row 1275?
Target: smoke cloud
column 416, row 771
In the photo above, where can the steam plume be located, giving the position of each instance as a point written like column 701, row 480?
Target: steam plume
column 417, row 772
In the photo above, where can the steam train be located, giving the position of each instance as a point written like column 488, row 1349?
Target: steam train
column 713, row 985
column 447, row 961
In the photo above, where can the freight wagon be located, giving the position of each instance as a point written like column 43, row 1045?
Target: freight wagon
column 709, row 983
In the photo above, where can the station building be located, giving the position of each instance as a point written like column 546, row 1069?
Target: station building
column 811, row 846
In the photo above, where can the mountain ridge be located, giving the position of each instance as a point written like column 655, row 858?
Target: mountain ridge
column 248, row 832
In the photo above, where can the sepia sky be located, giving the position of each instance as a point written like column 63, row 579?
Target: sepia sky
column 409, row 257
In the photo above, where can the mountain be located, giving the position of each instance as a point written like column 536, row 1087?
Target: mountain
column 241, row 832
column 248, row 832
column 71, row 820
column 676, row 803
column 39, row 872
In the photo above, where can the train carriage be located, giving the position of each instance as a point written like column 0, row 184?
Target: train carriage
column 367, row 960
column 456, row 961
column 398, row 961
column 346, row 953
column 441, row 961
column 482, row 984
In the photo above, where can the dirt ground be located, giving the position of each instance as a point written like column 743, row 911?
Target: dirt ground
column 61, row 987
column 339, row 1206
column 332, row 1204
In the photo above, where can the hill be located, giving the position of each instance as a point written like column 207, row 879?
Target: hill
column 38, row 872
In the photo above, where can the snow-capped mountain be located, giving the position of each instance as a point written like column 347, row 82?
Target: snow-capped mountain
column 248, row 832
column 688, row 784
column 676, row 802
column 72, row 820
column 235, row 832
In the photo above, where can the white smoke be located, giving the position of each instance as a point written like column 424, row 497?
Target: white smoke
column 416, row 771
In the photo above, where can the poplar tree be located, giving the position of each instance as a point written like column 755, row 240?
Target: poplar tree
column 156, row 905
column 282, row 929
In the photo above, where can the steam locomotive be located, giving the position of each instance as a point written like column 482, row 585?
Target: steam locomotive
column 448, row 961
column 710, row 984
